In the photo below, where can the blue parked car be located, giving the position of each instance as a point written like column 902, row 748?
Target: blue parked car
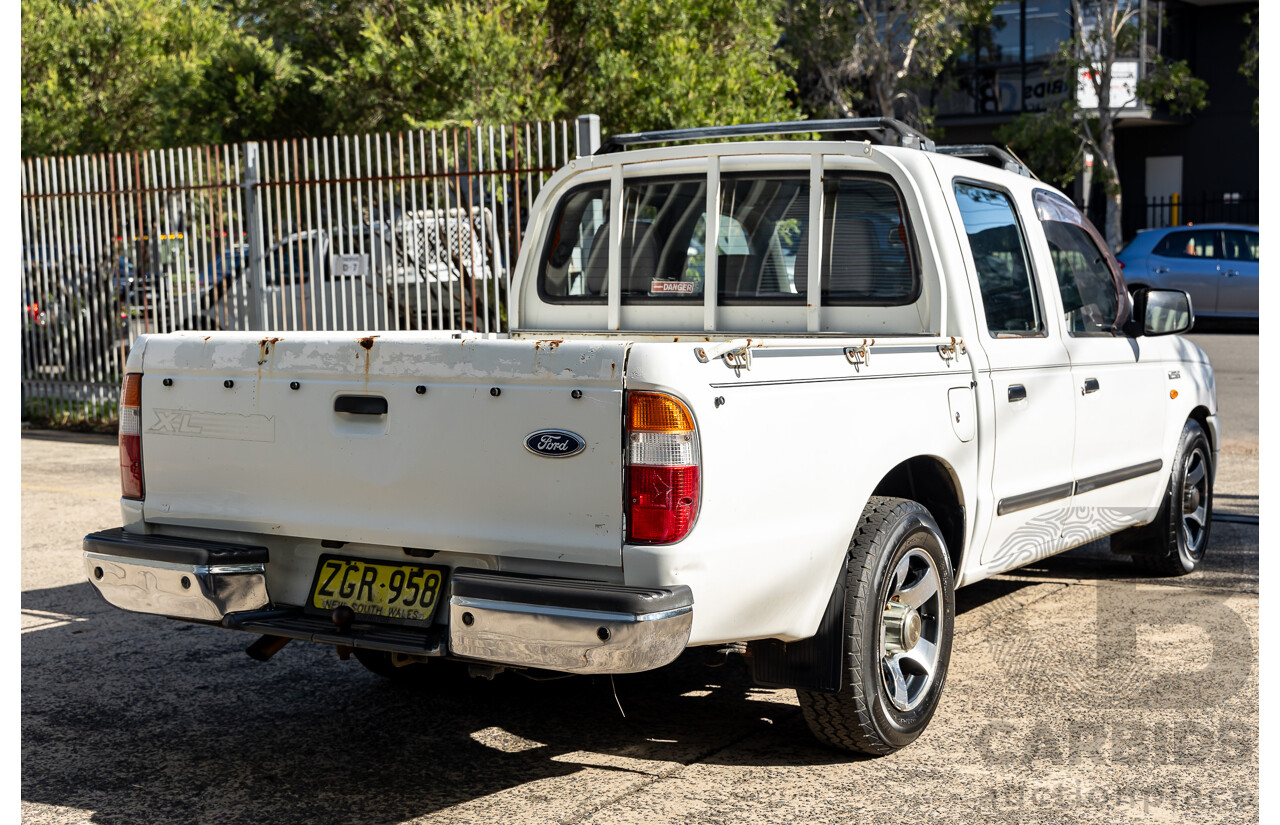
column 1215, row 263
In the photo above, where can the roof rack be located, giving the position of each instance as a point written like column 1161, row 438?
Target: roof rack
column 886, row 130
column 977, row 150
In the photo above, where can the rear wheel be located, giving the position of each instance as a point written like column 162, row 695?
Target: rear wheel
column 1174, row 543
column 899, row 613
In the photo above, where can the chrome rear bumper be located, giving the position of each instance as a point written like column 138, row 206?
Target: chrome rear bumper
column 181, row 578
column 567, row 625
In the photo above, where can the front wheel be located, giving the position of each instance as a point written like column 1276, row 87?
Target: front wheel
column 899, row 614
column 1174, row 543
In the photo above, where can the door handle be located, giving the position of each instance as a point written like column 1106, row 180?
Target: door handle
column 1160, row 270
column 1090, row 385
column 1231, row 273
column 1017, row 392
column 360, row 404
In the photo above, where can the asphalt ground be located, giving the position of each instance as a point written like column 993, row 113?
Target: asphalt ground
column 1078, row 692
column 1234, row 355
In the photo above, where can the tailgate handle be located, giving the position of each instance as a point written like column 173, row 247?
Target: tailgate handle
column 360, row 404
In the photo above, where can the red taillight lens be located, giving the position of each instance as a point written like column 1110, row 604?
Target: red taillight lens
column 663, row 460
column 131, row 437
column 664, row 501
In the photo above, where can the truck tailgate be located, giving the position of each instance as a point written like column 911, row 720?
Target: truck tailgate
column 246, row 436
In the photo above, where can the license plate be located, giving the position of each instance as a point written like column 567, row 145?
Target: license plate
column 376, row 590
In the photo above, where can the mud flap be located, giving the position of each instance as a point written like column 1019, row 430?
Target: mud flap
column 816, row 663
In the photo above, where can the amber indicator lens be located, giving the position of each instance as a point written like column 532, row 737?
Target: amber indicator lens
column 654, row 412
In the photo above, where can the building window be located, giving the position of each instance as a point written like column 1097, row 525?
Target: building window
column 1008, row 67
column 1048, row 27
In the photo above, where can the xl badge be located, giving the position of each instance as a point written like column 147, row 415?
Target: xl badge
column 554, row 443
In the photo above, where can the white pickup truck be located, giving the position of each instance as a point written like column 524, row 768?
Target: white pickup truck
column 902, row 371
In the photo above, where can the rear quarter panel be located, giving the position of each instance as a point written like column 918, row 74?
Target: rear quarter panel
column 789, row 459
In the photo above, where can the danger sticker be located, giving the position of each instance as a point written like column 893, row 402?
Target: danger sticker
column 672, row 287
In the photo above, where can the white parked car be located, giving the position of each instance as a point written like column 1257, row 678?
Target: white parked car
column 901, row 372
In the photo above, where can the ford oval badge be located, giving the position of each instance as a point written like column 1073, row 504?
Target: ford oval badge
column 554, row 443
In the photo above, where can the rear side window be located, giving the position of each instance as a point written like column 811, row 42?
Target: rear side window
column 576, row 263
column 1000, row 258
column 1088, row 288
column 1240, row 245
column 867, row 260
column 1199, row 243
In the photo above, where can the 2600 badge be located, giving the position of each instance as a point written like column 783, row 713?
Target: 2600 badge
column 376, row 590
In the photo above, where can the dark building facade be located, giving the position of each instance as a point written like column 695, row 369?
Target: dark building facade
column 1173, row 169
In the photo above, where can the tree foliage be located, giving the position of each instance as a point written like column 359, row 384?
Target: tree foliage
column 119, row 74
column 1249, row 66
column 1048, row 144
column 866, row 57
column 1105, row 31
column 670, row 65
column 421, row 62
column 124, row 74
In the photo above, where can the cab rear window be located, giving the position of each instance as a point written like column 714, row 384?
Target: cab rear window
column 761, row 240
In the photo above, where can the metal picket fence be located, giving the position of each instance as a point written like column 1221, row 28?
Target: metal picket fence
column 1208, row 207
column 390, row 231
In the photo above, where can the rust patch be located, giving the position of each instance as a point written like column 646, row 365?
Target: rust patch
column 551, row 343
column 264, row 349
column 367, row 343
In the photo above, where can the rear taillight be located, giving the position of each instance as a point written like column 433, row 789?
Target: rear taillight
column 662, row 469
column 131, row 436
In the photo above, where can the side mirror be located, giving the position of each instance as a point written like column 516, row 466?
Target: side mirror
column 1160, row 312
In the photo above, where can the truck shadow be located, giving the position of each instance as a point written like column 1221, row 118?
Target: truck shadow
column 140, row 719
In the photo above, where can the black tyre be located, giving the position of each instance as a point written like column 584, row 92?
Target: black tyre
column 1174, row 543
column 899, row 613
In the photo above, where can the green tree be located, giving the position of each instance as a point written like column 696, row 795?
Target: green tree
column 867, row 57
column 643, row 65
column 1107, row 31
column 120, row 74
column 636, row 64
column 1249, row 67
column 423, row 62
column 1048, row 143
column 316, row 34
